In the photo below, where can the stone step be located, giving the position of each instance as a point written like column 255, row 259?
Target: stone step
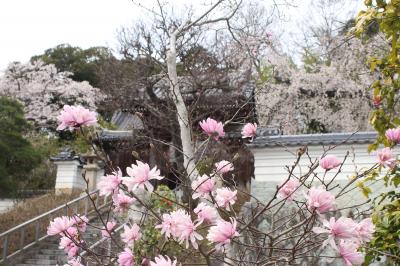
column 41, row 261
column 45, row 256
column 47, row 251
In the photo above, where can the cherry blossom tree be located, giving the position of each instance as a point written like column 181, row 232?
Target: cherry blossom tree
column 44, row 91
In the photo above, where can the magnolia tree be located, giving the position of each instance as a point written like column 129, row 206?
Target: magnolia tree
column 301, row 222
column 44, row 91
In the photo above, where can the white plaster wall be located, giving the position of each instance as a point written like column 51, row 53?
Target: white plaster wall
column 6, row 204
column 270, row 168
column 69, row 175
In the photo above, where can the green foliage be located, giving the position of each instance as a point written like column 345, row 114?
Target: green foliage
column 386, row 218
column 383, row 15
column 151, row 240
column 17, row 157
column 205, row 165
column 83, row 63
column 163, row 199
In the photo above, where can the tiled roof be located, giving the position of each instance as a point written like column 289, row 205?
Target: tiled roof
column 115, row 135
column 312, row 139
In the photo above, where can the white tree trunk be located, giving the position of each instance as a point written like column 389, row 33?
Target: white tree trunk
column 182, row 113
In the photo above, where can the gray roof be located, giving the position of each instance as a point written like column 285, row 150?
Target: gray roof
column 313, row 139
column 126, row 121
column 116, row 134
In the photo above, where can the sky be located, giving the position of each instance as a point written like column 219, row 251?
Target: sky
column 28, row 27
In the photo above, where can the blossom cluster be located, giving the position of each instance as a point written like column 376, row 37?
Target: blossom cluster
column 349, row 235
column 214, row 219
column 42, row 89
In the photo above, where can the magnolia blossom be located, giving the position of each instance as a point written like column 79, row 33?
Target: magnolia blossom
column 206, row 213
column 343, row 228
column 225, row 197
column 105, row 232
column 202, row 186
column 320, row 200
column 188, row 232
column 69, row 246
column 329, row 162
column 365, row 229
column 350, row 255
column 249, row 130
column 213, row 128
column 140, row 176
column 80, row 221
column 393, row 134
column 59, row 225
column 126, row 258
column 131, row 234
column 180, row 226
column 222, row 233
column 122, row 202
column 223, row 167
column 75, row 116
column 108, row 184
column 287, row 191
column 386, row 158
column 163, row 261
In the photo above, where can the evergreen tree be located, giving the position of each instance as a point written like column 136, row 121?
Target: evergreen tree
column 17, row 156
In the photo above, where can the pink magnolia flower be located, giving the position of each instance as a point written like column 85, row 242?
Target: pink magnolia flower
column 223, row 167
column 105, row 232
column 187, row 232
column 350, row 255
column 222, row 233
column 140, row 176
column 343, row 228
column 225, row 197
column 365, row 229
column 167, row 226
column 206, row 213
column 329, row 162
column 75, row 116
column 386, row 158
column 122, row 202
column 393, row 135
column 108, row 184
column 320, row 200
column 163, row 261
column 213, row 128
column 180, row 226
column 132, row 234
column 126, row 258
column 71, row 232
column 249, row 130
column 69, row 246
column 202, row 186
column 59, row 225
column 287, row 191
column 80, row 221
